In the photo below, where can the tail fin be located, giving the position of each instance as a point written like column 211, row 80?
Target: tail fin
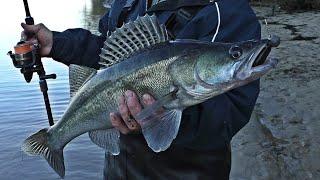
column 37, row 144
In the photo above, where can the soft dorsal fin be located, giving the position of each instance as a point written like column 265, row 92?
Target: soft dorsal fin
column 131, row 37
column 78, row 75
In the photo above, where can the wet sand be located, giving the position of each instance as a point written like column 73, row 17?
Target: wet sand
column 282, row 140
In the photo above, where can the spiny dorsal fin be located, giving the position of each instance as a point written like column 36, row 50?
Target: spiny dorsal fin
column 131, row 37
column 78, row 75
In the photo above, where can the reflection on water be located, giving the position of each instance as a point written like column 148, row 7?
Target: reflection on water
column 92, row 15
column 22, row 111
column 97, row 7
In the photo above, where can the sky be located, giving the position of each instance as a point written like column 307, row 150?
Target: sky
column 12, row 14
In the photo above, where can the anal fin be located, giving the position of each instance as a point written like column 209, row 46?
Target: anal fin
column 107, row 139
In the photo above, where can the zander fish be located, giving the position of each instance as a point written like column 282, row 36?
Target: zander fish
column 139, row 56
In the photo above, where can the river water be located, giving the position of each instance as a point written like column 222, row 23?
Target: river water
column 22, row 110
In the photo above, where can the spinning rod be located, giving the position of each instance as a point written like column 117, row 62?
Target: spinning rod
column 27, row 58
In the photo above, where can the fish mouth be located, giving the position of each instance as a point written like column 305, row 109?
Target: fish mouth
column 258, row 63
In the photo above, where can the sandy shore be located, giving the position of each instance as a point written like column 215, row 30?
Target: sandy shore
column 282, row 140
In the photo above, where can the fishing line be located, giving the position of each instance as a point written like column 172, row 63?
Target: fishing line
column 267, row 27
column 219, row 21
column 22, row 156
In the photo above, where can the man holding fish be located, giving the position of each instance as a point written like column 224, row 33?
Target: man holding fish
column 201, row 147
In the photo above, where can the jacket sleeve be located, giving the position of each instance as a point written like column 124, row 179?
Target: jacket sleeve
column 77, row 46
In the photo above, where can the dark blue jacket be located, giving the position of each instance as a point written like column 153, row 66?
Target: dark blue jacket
column 205, row 127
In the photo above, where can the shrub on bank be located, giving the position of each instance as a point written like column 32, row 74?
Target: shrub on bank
column 299, row 4
column 291, row 5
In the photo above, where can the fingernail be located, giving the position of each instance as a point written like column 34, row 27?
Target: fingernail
column 146, row 97
column 129, row 94
column 121, row 98
column 112, row 116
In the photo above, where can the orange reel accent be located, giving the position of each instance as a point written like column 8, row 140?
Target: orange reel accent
column 23, row 48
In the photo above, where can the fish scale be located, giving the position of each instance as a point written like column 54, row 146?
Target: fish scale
column 154, row 77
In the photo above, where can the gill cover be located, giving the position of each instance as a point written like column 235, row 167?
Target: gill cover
column 211, row 70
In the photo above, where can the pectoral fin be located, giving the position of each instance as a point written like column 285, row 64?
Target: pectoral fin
column 107, row 139
column 160, row 126
column 161, row 129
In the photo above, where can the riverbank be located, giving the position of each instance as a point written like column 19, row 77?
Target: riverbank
column 282, row 139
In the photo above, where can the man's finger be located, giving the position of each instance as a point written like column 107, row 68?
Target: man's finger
column 31, row 28
column 117, row 123
column 134, row 107
column 123, row 108
column 133, row 103
column 148, row 99
column 125, row 114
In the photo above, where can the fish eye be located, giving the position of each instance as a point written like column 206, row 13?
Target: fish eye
column 235, row 52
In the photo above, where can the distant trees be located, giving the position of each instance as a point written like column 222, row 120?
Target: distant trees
column 98, row 7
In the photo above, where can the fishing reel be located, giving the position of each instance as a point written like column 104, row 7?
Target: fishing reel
column 26, row 57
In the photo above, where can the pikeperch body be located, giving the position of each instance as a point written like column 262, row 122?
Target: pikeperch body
column 140, row 57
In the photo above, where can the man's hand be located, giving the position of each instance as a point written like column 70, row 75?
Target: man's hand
column 129, row 107
column 38, row 33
